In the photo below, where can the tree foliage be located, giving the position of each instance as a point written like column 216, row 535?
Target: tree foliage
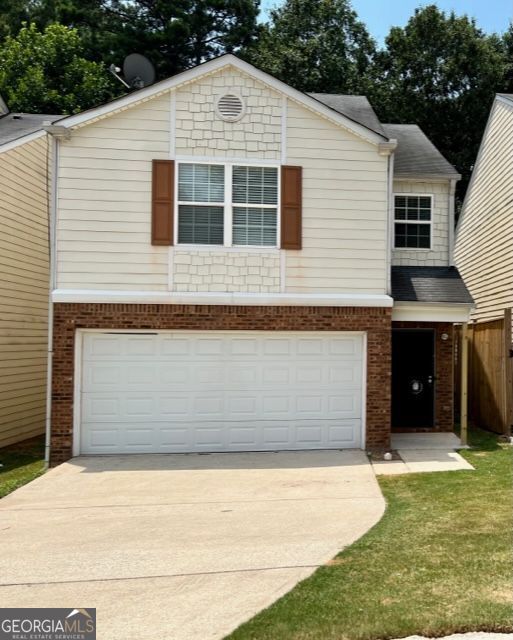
column 315, row 45
column 441, row 72
column 45, row 72
column 173, row 34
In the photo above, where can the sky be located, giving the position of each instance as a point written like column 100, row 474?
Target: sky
column 380, row 15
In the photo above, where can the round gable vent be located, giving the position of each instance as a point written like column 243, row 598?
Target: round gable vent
column 230, row 107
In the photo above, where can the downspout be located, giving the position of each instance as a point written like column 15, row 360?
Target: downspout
column 390, row 218
column 452, row 193
column 51, row 235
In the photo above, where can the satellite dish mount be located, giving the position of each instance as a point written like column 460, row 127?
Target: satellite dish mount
column 138, row 72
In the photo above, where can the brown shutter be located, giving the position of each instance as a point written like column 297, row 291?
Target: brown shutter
column 291, row 207
column 162, row 202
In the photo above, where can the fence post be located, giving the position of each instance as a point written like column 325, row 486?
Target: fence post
column 464, row 385
column 508, row 374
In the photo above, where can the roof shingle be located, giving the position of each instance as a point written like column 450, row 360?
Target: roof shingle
column 17, row 125
column 429, row 284
column 416, row 154
column 356, row 108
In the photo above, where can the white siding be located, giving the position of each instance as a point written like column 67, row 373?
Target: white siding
column 24, row 279
column 104, row 195
column 344, row 208
column 104, row 202
column 484, row 245
column 438, row 255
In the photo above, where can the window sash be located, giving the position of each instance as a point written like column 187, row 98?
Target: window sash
column 418, row 213
column 269, row 192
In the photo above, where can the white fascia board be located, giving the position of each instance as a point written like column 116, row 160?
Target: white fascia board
column 477, row 163
column 430, row 312
column 236, row 299
column 208, row 68
column 507, row 101
column 23, row 140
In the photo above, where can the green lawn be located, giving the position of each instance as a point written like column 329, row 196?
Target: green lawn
column 22, row 462
column 439, row 562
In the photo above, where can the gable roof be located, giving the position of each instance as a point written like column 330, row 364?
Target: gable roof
column 506, row 96
column 19, row 125
column 429, row 284
column 212, row 66
column 416, row 155
column 357, row 108
column 503, row 99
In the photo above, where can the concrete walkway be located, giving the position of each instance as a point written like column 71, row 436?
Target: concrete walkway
column 180, row 547
column 423, row 452
column 475, row 635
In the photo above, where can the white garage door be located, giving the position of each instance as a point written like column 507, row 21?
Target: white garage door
column 220, row 391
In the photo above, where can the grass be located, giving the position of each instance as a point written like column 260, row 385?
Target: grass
column 22, row 462
column 439, row 562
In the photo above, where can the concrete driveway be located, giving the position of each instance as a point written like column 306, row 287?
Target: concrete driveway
column 180, row 546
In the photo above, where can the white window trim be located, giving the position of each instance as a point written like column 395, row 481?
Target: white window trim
column 227, row 206
column 426, row 222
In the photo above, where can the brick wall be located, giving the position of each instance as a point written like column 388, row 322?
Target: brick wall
column 444, row 370
column 249, row 272
column 69, row 317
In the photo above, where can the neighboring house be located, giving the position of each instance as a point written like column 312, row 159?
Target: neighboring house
column 484, row 254
column 24, row 274
column 222, row 273
column 484, row 246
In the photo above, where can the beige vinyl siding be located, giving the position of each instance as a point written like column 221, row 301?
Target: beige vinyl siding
column 104, row 196
column 104, row 202
column 344, row 208
column 24, row 280
column 438, row 255
column 484, row 243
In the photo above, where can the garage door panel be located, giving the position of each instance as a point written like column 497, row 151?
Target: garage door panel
column 177, row 391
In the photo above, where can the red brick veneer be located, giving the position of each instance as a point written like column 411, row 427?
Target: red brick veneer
column 444, row 370
column 68, row 317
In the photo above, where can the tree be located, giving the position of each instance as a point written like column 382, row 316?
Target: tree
column 441, row 72
column 45, row 72
column 315, row 45
column 173, row 34
column 508, row 44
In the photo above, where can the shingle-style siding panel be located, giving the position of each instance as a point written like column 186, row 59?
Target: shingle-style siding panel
column 24, row 280
column 344, row 208
column 201, row 132
column 233, row 271
column 484, row 244
column 104, row 203
column 438, row 255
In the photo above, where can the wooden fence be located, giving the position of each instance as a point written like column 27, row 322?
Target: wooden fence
column 490, row 371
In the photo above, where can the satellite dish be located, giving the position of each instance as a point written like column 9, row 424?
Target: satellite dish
column 138, row 71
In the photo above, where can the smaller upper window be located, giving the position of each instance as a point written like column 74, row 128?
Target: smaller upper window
column 412, row 227
column 230, row 107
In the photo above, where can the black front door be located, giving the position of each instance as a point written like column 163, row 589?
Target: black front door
column 413, row 375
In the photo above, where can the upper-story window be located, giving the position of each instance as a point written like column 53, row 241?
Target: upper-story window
column 227, row 204
column 412, row 221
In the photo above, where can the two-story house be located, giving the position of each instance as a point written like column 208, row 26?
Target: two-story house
column 24, row 267
column 239, row 266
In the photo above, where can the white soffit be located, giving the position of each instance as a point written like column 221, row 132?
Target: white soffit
column 422, row 312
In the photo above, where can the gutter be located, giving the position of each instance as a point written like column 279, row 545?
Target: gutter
column 452, row 192
column 390, row 224
column 51, row 232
